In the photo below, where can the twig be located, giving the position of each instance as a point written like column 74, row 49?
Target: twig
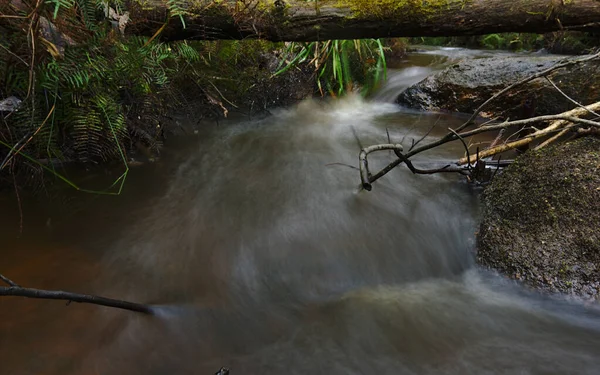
column 522, row 82
column 563, row 118
column 10, row 155
column 365, row 175
column 498, row 138
column 356, row 137
column 222, row 96
column 15, row 55
column 552, row 139
column 343, row 165
column 74, row 297
column 414, row 124
column 518, row 143
column 449, row 168
column 571, row 99
column 19, row 203
column 8, row 281
column 414, row 144
column 497, row 167
column 465, row 145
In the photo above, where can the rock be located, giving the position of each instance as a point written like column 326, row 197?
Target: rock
column 10, row 104
column 464, row 86
column 55, row 40
column 541, row 218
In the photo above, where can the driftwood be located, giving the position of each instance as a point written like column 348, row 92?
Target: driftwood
column 473, row 164
column 18, row 291
column 301, row 20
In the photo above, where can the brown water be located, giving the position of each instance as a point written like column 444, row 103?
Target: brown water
column 262, row 258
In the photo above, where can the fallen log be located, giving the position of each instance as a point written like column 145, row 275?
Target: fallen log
column 299, row 20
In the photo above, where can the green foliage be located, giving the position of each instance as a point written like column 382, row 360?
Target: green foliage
column 57, row 4
column 86, row 103
column 504, row 41
column 339, row 64
column 176, row 9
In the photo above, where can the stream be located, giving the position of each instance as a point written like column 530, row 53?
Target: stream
column 262, row 256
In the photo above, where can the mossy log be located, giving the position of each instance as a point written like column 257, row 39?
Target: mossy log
column 299, row 20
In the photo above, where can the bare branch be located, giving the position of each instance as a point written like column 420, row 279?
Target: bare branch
column 356, row 137
column 563, row 119
column 552, row 139
column 74, row 297
column 518, row 143
column 498, row 138
column 342, row 165
column 571, row 99
column 8, row 281
column 415, row 144
column 559, row 121
column 465, row 146
column 365, row 175
column 543, row 73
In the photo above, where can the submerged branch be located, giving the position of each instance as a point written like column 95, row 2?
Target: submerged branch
column 74, row 297
column 365, row 174
column 18, row 291
column 558, row 123
column 8, row 281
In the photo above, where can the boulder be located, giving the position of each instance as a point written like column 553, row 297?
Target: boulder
column 541, row 219
column 465, row 85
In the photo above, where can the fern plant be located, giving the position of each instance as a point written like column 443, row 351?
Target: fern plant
column 86, row 103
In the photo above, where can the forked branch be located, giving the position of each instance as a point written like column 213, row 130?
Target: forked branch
column 559, row 123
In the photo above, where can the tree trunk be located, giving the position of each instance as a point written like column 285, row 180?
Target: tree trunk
column 301, row 20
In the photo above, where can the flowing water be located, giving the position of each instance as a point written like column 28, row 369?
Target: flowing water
column 261, row 255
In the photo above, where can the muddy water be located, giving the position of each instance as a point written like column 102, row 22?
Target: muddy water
column 261, row 256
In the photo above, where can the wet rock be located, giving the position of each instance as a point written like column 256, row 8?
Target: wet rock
column 10, row 104
column 541, row 218
column 464, row 86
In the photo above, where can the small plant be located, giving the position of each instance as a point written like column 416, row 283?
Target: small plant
column 339, row 64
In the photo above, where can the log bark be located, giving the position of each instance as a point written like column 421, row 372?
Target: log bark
column 299, row 20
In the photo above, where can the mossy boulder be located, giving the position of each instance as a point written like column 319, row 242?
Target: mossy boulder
column 464, row 86
column 541, row 219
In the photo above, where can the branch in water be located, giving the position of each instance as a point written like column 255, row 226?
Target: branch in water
column 17, row 291
column 365, row 175
column 559, row 121
column 543, row 73
column 8, row 281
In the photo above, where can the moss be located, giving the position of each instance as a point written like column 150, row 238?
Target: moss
column 541, row 218
column 395, row 8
